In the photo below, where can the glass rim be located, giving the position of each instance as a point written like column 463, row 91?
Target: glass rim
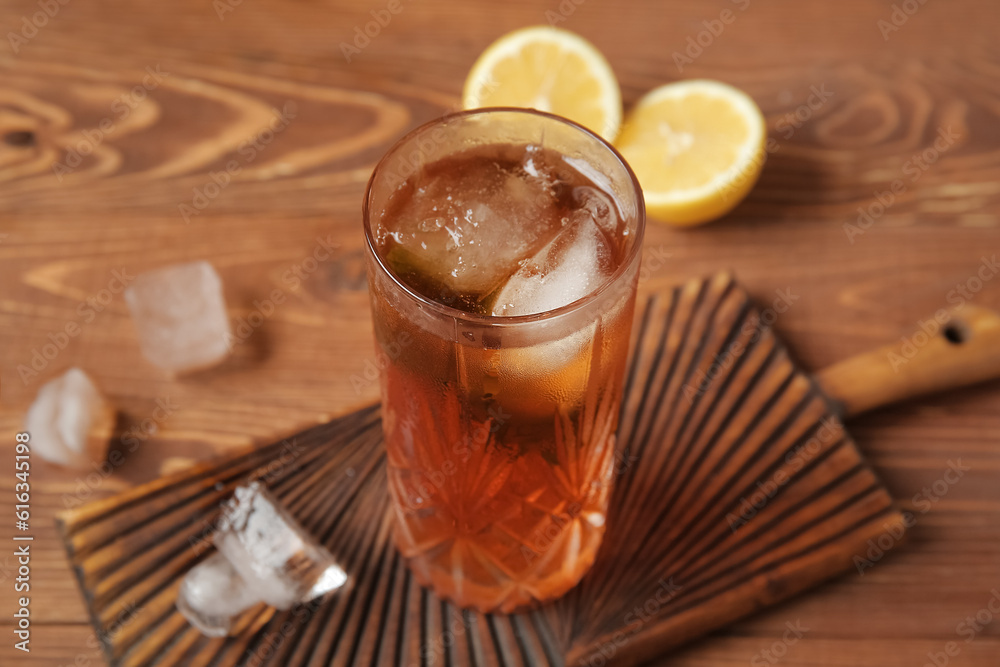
column 504, row 320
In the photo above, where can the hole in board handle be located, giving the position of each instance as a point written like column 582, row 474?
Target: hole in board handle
column 956, row 333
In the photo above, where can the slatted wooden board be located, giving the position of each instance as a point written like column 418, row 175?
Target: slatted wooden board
column 716, row 419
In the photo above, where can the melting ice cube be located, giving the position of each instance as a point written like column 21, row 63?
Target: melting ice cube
column 571, row 266
column 272, row 552
column 180, row 316
column 468, row 231
column 212, row 594
column 264, row 556
column 70, row 422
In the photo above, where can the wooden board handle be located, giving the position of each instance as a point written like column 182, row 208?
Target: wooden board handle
column 943, row 353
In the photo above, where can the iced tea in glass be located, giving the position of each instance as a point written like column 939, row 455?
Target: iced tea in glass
column 503, row 257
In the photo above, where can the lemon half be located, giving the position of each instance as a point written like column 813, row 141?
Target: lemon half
column 697, row 148
column 551, row 70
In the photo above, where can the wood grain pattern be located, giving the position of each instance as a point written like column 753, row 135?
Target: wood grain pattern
column 59, row 242
column 737, row 488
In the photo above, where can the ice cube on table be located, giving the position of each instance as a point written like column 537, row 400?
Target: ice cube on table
column 271, row 552
column 180, row 316
column 212, row 594
column 568, row 268
column 264, row 555
column 467, row 231
column 70, row 423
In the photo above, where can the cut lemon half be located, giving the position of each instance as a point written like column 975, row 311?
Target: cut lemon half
column 551, row 70
column 697, row 148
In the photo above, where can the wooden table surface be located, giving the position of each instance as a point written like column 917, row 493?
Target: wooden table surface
column 115, row 115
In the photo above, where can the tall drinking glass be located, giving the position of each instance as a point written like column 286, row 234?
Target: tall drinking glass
column 503, row 251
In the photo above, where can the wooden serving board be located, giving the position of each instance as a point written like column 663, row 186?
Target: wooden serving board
column 737, row 489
